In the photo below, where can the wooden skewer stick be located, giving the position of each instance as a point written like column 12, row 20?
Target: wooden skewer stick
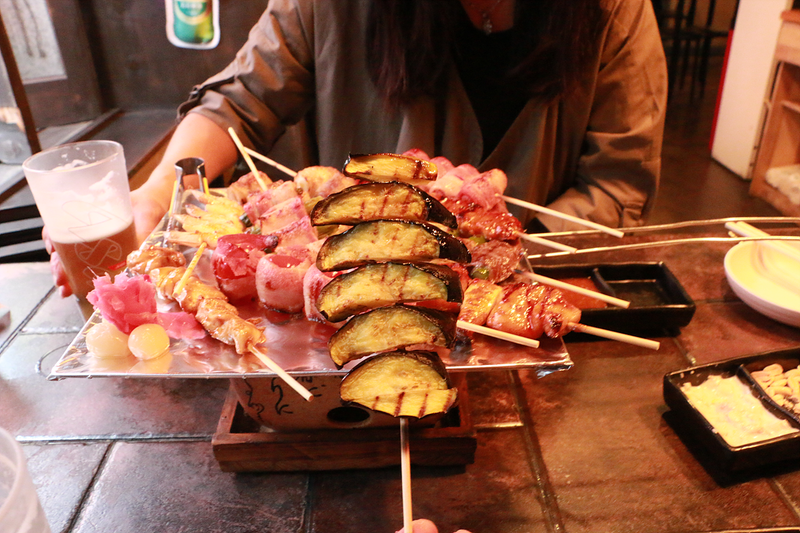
column 246, row 156
column 293, row 383
column 564, row 216
column 544, row 280
column 185, row 278
column 546, row 242
column 489, row 332
column 405, row 474
column 613, row 335
column 172, row 200
column 746, row 230
column 272, row 162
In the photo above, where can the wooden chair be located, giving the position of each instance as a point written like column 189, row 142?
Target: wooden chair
column 21, row 228
column 691, row 45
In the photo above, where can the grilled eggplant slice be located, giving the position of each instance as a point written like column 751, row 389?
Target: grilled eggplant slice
column 387, row 240
column 383, row 284
column 391, row 328
column 375, row 201
column 410, row 384
column 389, row 167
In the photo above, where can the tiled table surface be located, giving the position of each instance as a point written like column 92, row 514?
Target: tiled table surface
column 585, row 450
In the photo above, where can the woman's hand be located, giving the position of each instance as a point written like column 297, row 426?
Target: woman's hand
column 59, row 274
column 148, row 210
column 423, row 525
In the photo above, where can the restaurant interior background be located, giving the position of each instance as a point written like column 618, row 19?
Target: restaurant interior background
column 105, row 69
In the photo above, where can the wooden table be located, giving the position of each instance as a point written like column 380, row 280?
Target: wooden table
column 585, row 450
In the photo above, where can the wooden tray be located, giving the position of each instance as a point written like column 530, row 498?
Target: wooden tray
column 241, row 445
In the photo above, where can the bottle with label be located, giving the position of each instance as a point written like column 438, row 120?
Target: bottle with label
column 193, row 23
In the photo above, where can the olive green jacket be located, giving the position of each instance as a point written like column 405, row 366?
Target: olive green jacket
column 301, row 81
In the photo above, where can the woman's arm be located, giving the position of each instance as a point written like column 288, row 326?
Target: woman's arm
column 195, row 136
column 618, row 169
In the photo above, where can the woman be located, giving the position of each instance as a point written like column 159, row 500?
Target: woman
column 568, row 98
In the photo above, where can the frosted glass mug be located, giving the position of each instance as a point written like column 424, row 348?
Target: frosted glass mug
column 83, row 196
column 20, row 510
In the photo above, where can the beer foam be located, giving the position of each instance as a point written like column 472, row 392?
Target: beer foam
column 97, row 225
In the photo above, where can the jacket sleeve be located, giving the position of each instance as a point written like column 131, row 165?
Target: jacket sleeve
column 617, row 173
column 270, row 83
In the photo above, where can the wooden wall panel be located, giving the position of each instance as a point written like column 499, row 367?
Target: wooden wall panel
column 136, row 64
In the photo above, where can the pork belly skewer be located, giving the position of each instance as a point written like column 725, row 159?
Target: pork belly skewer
column 532, row 238
column 544, row 280
column 248, row 160
column 521, row 235
column 530, row 311
column 563, row 216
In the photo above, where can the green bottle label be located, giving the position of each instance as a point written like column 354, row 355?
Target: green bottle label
column 193, row 21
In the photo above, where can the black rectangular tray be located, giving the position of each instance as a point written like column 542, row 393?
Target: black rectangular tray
column 657, row 300
column 690, row 423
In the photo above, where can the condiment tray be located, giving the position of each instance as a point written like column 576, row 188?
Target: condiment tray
column 657, row 299
column 748, row 451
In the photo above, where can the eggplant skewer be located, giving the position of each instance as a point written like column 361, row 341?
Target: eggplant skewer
column 390, row 328
column 382, row 284
column 377, row 201
column 388, row 240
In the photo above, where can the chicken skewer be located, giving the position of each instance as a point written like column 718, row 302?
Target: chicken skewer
column 221, row 216
column 218, row 317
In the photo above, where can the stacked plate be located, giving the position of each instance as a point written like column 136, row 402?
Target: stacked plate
column 766, row 279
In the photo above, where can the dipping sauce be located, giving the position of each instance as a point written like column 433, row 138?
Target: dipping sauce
column 579, row 300
column 734, row 412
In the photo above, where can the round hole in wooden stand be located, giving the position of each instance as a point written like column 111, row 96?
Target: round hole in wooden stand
column 348, row 415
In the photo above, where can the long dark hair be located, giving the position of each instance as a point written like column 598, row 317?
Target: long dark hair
column 409, row 45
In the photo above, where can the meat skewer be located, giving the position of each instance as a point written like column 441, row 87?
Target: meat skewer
column 218, row 317
column 532, row 238
column 529, row 311
column 564, row 216
column 497, row 334
column 542, row 280
column 247, row 158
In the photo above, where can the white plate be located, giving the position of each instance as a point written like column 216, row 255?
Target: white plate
column 766, row 280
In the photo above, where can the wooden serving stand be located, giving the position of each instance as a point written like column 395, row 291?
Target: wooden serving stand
column 241, row 445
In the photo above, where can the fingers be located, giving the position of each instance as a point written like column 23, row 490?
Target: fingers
column 147, row 213
column 422, row 525
column 59, row 275
column 48, row 244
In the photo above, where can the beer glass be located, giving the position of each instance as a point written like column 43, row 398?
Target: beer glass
column 83, row 196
